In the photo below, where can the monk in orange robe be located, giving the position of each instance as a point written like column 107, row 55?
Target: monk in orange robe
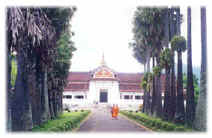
column 115, row 111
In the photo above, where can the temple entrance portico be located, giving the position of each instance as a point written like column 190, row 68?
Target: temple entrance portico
column 104, row 86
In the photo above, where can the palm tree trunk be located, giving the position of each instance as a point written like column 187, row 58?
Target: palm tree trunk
column 173, row 91
column 21, row 107
column 190, row 105
column 166, row 107
column 146, row 107
column 158, row 107
column 45, row 114
column 200, row 122
column 178, row 31
column 51, row 107
column 9, row 98
column 180, row 112
column 153, row 90
column 173, row 82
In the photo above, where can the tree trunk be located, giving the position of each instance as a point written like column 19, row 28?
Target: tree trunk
column 180, row 112
column 9, row 94
column 166, row 21
column 21, row 107
column 45, row 114
column 178, row 31
column 190, row 105
column 166, row 108
column 55, row 103
column 61, row 102
column 144, row 95
column 153, row 90
column 51, row 106
column 200, row 122
column 158, row 107
column 173, row 91
column 146, row 99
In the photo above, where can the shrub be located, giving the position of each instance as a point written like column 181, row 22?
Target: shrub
column 64, row 122
column 180, row 128
column 158, row 124
column 155, row 123
column 170, row 127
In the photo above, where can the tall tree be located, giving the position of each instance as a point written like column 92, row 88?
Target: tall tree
column 149, row 26
column 190, row 105
column 31, row 33
column 200, row 122
column 178, row 44
column 166, row 62
column 24, row 33
column 172, row 25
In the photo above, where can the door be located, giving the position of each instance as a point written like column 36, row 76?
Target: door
column 103, row 97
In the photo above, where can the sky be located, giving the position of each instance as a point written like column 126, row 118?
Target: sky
column 107, row 28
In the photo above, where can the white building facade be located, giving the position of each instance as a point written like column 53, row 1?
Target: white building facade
column 103, row 86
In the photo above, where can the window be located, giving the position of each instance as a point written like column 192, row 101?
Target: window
column 127, row 97
column 138, row 97
column 67, row 96
column 79, row 97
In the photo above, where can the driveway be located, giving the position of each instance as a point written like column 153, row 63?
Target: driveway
column 101, row 121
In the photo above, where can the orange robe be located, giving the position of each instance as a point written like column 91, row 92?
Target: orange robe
column 115, row 111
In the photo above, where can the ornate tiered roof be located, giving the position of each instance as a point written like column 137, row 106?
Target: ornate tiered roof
column 128, row 82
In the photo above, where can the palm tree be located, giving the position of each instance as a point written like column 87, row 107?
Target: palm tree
column 166, row 62
column 200, row 117
column 173, row 81
column 178, row 44
column 190, row 105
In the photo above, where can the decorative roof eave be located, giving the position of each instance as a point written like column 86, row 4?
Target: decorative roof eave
column 103, row 79
column 131, row 91
column 76, row 90
column 78, row 82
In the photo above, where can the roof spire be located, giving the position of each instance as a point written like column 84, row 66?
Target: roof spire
column 103, row 63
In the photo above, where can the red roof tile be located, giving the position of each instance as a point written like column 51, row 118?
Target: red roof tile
column 77, row 87
column 78, row 76
column 79, row 81
column 130, row 77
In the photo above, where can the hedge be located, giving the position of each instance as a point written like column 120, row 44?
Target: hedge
column 155, row 124
column 65, row 122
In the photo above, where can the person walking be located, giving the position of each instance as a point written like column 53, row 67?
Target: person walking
column 115, row 111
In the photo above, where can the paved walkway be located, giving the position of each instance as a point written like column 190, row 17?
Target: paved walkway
column 101, row 121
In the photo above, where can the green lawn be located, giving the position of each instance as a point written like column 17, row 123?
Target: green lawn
column 13, row 72
column 155, row 124
column 65, row 122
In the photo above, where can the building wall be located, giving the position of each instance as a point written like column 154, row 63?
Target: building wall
column 111, row 87
column 74, row 102
column 92, row 96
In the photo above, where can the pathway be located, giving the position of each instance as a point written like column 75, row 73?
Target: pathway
column 101, row 121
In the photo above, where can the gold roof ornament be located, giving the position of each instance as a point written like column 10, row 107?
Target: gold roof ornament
column 103, row 63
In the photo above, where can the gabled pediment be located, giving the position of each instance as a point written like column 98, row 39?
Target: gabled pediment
column 103, row 73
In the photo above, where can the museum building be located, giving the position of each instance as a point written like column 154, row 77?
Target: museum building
column 103, row 86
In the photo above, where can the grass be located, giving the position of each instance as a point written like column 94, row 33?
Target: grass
column 155, row 124
column 13, row 72
column 65, row 122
